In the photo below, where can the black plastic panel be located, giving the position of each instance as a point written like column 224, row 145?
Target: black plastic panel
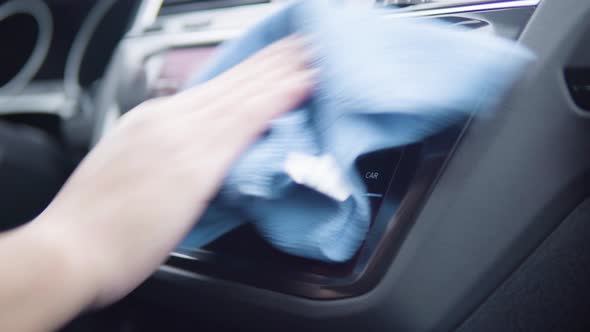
column 550, row 291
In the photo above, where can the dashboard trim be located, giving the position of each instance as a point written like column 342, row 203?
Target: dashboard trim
column 444, row 10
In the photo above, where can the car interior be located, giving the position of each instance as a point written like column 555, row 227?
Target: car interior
column 482, row 227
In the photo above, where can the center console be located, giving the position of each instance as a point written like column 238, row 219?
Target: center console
column 155, row 59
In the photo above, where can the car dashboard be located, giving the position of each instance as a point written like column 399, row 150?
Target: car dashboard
column 468, row 227
column 158, row 59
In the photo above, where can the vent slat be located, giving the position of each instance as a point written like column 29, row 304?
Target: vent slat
column 181, row 6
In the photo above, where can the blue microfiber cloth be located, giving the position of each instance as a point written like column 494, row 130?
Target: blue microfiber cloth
column 383, row 83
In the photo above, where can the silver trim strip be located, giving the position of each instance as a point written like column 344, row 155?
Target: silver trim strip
column 47, row 97
column 179, row 255
column 464, row 9
column 373, row 195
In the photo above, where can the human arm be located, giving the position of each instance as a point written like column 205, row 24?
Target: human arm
column 135, row 196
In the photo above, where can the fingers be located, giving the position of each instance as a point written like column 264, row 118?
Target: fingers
column 285, row 94
column 213, row 123
column 212, row 141
column 287, row 53
column 232, row 134
column 256, row 75
column 244, row 117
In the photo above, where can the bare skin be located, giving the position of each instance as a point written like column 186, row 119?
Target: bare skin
column 138, row 193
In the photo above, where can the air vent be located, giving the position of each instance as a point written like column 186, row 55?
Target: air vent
column 182, row 6
column 468, row 23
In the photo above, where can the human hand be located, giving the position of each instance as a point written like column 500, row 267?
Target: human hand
column 137, row 194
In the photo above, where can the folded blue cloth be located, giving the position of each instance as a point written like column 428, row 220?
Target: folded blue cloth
column 383, row 83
